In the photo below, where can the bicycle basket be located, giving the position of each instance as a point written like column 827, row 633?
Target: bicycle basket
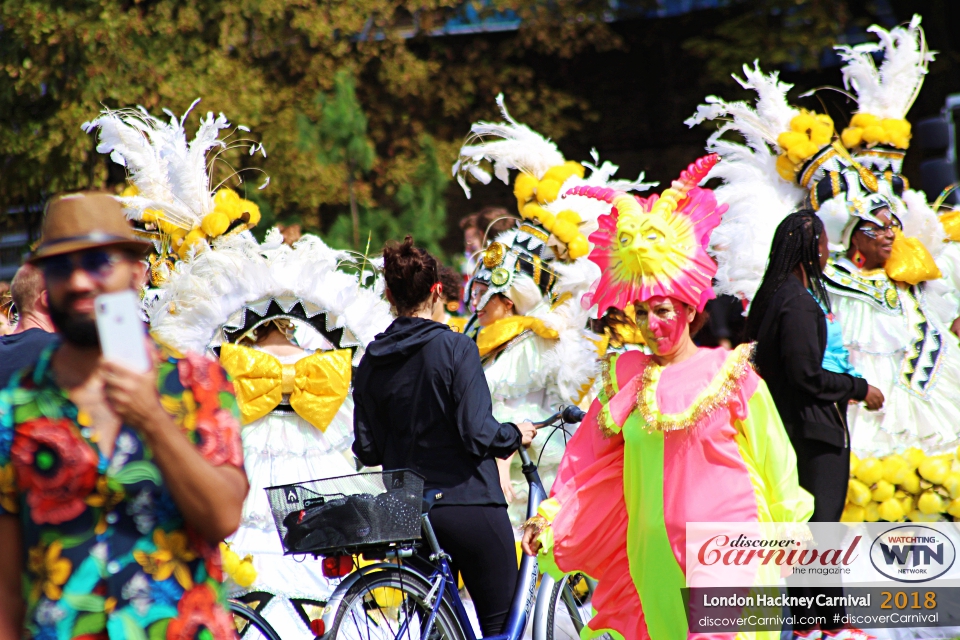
column 349, row 513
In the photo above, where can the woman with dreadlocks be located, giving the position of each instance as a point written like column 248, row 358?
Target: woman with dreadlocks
column 788, row 322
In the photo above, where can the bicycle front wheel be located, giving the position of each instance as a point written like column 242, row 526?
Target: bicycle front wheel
column 250, row 624
column 392, row 604
column 569, row 607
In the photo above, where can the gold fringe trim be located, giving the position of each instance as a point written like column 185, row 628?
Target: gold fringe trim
column 717, row 394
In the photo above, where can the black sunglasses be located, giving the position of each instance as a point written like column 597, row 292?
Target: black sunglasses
column 97, row 263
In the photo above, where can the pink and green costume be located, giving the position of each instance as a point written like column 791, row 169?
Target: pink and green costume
column 698, row 441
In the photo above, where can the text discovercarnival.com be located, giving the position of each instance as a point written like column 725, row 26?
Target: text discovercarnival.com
column 766, row 577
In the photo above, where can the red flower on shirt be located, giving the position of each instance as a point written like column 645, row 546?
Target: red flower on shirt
column 220, row 438
column 198, row 609
column 56, row 469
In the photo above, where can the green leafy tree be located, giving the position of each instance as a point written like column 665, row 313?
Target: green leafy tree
column 340, row 137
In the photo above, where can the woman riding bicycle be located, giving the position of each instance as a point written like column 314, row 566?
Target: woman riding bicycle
column 422, row 403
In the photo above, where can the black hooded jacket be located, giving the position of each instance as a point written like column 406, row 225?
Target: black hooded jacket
column 422, row 403
column 789, row 357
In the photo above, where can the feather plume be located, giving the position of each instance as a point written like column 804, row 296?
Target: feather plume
column 758, row 199
column 890, row 91
column 517, row 147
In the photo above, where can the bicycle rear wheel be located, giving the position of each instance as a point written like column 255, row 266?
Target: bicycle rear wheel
column 250, row 624
column 569, row 607
column 391, row 605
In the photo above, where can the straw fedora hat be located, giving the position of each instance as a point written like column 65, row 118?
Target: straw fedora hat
column 85, row 220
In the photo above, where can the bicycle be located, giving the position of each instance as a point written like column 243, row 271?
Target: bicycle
column 247, row 620
column 403, row 596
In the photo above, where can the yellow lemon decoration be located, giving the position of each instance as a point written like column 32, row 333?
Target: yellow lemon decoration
column 914, row 456
column 853, row 513
column 872, row 512
column 911, row 483
column 882, row 491
column 934, row 470
column 869, row 471
column 895, row 469
column 858, row 493
column 930, row 503
column 891, row 510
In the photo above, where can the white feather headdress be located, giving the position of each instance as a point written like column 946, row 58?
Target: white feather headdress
column 173, row 176
column 758, row 199
column 890, row 91
column 208, row 296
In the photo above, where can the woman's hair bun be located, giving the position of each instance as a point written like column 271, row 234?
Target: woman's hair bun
column 410, row 273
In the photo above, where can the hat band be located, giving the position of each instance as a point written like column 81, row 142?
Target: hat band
column 96, row 236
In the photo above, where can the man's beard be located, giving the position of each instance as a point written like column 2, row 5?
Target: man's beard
column 78, row 331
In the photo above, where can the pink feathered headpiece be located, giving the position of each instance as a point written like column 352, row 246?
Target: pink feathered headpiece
column 655, row 246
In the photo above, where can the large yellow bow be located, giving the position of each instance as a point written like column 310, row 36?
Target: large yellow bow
column 316, row 385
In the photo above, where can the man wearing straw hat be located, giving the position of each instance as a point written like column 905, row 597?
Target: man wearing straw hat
column 115, row 486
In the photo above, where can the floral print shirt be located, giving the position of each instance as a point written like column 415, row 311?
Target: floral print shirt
column 108, row 554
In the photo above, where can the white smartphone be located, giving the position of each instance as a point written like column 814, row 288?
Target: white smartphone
column 121, row 330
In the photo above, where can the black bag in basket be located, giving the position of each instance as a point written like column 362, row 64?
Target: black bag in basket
column 344, row 522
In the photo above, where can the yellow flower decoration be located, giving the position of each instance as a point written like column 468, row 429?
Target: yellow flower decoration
column 184, row 410
column 105, row 498
column 50, row 570
column 809, row 132
column 170, row 558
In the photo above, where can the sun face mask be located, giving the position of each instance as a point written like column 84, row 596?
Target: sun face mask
column 655, row 246
column 664, row 325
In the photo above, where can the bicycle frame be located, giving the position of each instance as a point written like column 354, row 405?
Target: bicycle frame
column 523, row 596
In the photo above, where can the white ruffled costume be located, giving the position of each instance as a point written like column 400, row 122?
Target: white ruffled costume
column 530, row 375
column 897, row 334
column 220, row 294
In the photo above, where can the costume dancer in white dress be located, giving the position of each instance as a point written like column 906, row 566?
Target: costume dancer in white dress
column 288, row 324
column 525, row 292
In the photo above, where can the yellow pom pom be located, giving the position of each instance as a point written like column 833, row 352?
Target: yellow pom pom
column 934, row 470
column 786, row 168
column 896, row 127
column 252, row 211
column 821, row 134
column 803, row 151
column 930, row 503
column 547, row 191
column 229, row 558
column 891, row 510
column 895, row 469
column 789, row 139
column 851, row 137
column 130, row 191
column 863, row 120
column 824, row 120
column 570, row 216
column 564, row 230
column 872, row 512
column 215, row 223
column 882, row 491
column 246, row 573
column 196, row 238
column 562, row 172
column 803, row 122
column 225, row 196
column 869, row 471
column 853, row 513
column 535, row 212
column 854, row 461
column 168, row 227
column 578, row 247
column 874, row 134
column 858, row 493
column 911, row 483
column 151, row 215
column 914, row 456
column 524, row 187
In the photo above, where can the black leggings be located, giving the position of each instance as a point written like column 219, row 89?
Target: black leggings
column 480, row 542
